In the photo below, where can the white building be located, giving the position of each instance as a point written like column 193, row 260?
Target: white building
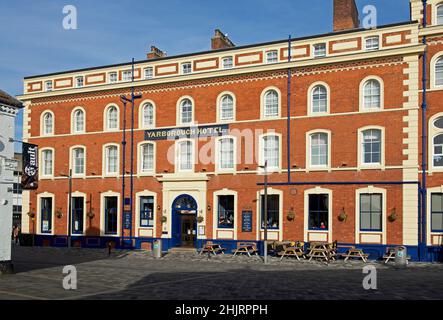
column 9, row 108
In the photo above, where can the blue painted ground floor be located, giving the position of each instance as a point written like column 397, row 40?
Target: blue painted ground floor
column 375, row 252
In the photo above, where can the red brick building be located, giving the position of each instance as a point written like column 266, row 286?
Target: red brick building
column 338, row 123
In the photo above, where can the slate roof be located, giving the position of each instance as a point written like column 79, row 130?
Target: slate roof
column 8, row 100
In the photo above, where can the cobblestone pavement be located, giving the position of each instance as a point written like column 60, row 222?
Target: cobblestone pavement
column 136, row 275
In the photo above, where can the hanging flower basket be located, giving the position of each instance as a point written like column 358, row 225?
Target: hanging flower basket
column 59, row 214
column 393, row 216
column 31, row 215
column 342, row 216
column 291, row 215
column 91, row 215
column 164, row 219
column 200, row 219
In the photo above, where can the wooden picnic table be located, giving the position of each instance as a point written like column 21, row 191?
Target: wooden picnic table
column 292, row 251
column 245, row 247
column 212, row 248
column 322, row 250
column 355, row 253
column 390, row 255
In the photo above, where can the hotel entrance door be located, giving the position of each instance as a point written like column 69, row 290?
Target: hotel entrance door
column 188, row 232
column 184, row 221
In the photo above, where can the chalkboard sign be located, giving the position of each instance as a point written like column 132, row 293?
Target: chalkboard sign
column 127, row 220
column 246, row 218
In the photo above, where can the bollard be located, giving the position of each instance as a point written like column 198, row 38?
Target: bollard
column 109, row 248
column 157, row 249
column 400, row 257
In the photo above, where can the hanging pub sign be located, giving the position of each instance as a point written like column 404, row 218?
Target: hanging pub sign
column 30, row 167
column 187, row 132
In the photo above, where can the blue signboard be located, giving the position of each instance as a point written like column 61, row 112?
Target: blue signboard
column 246, row 218
column 194, row 132
column 127, row 220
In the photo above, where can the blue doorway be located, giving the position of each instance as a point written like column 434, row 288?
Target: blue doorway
column 184, row 221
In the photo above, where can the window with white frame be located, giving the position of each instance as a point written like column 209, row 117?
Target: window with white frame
column 112, row 77
column 439, row 72
column 48, row 124
column 186, row 111
column 319, row 50
column 372, row 43
column 147, row 157
column 46, row 206
column 112, row 118
column 437, row 212
column 149, row 73
column 227, row 63
column 78, row 121
column 271, row 104
column 371, row 146
column 372, row 94
column 319, row 99
column 48, row 85
column 185, row 156
column 319, row 149
column 148, row 115
column 226, row 211
column 226, row 154
column 226, row 108
column 79, row 82
column 78, row 161
column 440, row 14
column 272, row 56
column 318, row 210
column 146, row 211
column 271, row 151
column 111, row 215
column 186, row 68
column 273, row 208
column 438, row 151
column 111, row 159
column 127, row 75
column 48, row 162
column 371, row 212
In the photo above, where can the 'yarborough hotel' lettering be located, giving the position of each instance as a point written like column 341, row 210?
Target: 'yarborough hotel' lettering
column 344, row 166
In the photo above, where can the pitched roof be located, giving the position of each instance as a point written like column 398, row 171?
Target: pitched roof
column 9, row 100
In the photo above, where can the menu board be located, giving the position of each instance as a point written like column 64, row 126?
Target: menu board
column 246, row 218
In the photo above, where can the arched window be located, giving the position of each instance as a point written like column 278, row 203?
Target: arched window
column 226, row 154
column 147, row 157
column 112, row 118
column 185, row 156
column 186, row 111
column 78, row 161
column 48, row 123
column 439, row 71
column 371, row 146
column 372, row 94
column 319, row 149
column 148, row 115
column 111, row 160
column 319, row 99
column 271, row 104
column 270, row 150
column 226, row 108
column 78, row 121
column 438, row 151
column 440, row 14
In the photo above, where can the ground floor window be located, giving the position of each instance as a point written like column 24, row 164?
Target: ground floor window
column 437, row 212
column 273, row 211
column 370, row 212
column 318, row 211
column 77, row 214
column 146, row 211
column 111, row 209
column 226, row 211
column 46, row 215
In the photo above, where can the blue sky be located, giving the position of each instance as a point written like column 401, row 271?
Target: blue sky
column 34, row 41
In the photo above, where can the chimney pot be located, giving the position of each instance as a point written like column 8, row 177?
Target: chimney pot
column 345, row 15
column 155, row 53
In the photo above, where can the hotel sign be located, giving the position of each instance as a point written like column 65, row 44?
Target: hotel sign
column 187, row 132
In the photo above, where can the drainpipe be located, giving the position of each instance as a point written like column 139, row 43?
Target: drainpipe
column 288, row 125
column 422, row 243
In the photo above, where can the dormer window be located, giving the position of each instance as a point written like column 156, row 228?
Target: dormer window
column 113, row 77
column 186, row 68
column 227, row 63
column 440, row 14
column 319, row 50
column 48, row 85
column 149, row 73
column 79, row 82
column 127, row 75
column 271, row 56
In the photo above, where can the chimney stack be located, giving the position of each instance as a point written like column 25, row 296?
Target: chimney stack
column 220, row 41
column 155, row 53
column 345, row 15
